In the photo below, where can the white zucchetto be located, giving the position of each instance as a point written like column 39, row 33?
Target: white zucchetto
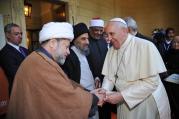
column 118, row 20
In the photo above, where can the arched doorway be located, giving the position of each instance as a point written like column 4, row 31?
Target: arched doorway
column 43, row 11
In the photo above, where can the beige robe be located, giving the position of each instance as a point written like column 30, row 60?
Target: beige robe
column 137, row 65
column 41, row 90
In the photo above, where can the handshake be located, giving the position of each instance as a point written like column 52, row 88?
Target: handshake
column 112, row 97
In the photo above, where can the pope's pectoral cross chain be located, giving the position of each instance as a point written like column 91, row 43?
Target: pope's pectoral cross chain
column 116, row 77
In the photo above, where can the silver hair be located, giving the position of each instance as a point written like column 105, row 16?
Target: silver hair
column 131, row 23
column 8, row 27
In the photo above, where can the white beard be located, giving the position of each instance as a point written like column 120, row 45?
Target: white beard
column 85, row 51
column 61, row 61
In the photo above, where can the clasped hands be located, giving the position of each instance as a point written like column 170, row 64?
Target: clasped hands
column 112, row 97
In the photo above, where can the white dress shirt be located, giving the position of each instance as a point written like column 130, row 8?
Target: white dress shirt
column 87, row 79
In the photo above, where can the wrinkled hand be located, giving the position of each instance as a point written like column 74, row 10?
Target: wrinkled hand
column 101, row 94
column 113, row 97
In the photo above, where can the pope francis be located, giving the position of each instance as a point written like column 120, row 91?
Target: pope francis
column 133, row 65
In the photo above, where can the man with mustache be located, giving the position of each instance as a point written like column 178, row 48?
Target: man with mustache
column 76, row 65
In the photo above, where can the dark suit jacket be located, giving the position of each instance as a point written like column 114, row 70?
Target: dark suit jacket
column 163, row 51
column 72, row 67
column 10, row 60
column 144, row 37
column 172, row 61
column 98, row 50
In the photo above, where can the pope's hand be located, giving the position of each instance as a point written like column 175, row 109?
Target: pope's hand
column 113, row 97
column 101, row 94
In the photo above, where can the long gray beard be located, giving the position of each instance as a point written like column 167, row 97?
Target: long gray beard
column 84, row 51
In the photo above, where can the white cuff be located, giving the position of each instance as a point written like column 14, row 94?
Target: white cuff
column 107, row 84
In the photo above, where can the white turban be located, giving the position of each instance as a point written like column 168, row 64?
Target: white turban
column 56, row 30
column 119, row 20
column 96, row 22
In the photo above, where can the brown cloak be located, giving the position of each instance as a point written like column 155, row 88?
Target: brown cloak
column 41, row 90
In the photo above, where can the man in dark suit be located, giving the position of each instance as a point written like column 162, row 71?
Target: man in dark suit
column 166, row 45
column 12, row 54
column 98, row 48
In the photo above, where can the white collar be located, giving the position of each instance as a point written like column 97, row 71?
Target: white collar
column 77, row 51
column 168, row 41
column 14, row 46
column 74, row 48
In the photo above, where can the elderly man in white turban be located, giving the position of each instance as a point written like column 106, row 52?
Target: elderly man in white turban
column 133, row 65
column 41, row 89
column 98, row 49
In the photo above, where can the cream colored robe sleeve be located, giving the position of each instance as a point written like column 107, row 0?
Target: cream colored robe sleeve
column 139, row 90
column 107, row 84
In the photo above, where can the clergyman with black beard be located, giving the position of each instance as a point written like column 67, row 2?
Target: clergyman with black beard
column 76, row 64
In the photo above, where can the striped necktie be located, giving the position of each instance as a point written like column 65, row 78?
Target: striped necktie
column 22, row 51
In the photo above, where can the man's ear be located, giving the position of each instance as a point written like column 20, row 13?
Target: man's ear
column 53, row 43
column 7, row 35
column 129, row 30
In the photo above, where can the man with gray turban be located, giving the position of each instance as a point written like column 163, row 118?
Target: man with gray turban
column 41, row 89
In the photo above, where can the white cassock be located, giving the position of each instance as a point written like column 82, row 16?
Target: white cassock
column 137, row 65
